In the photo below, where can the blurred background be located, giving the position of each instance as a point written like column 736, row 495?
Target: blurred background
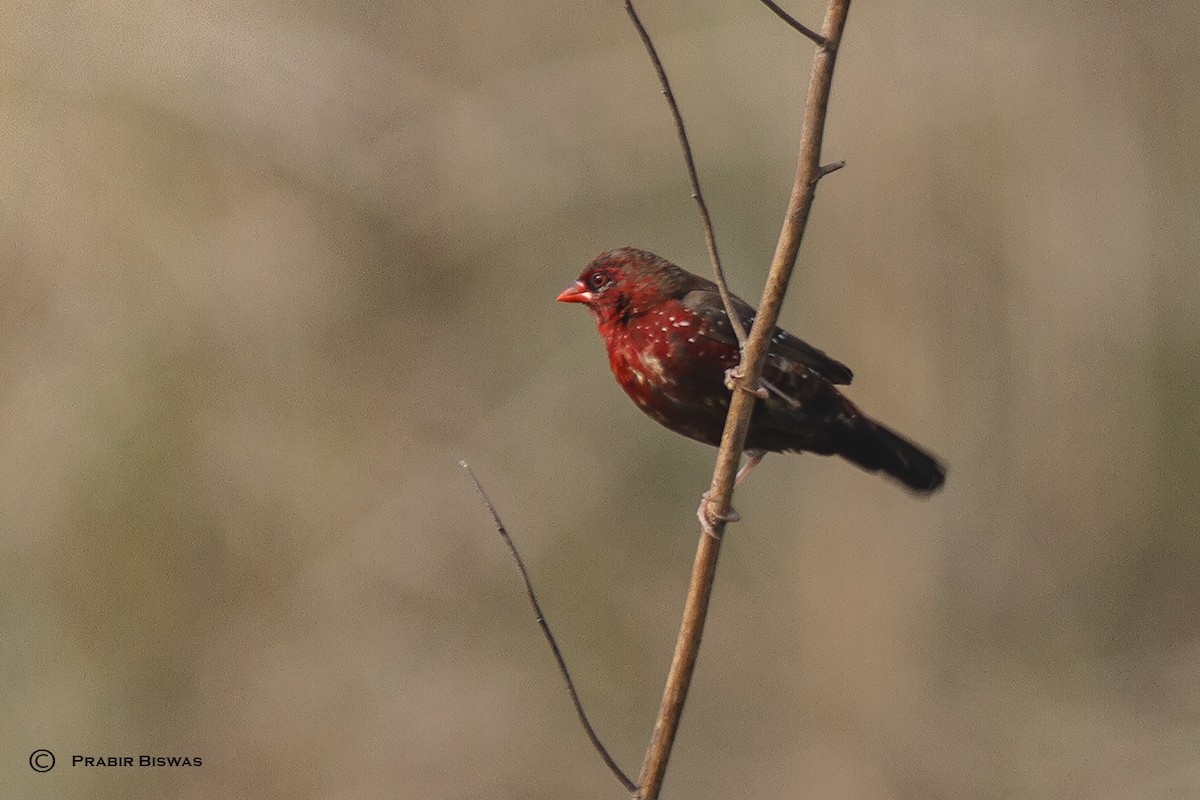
column 270, row 269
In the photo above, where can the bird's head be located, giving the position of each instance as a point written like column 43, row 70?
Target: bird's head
column 622, row 284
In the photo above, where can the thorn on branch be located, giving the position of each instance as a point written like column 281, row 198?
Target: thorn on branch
column 828, row 168
column 816, row 38
column 825, row 169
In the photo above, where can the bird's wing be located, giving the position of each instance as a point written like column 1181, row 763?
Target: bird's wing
column 706, row 303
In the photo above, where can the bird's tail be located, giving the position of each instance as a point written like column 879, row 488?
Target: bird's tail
column 875, row 447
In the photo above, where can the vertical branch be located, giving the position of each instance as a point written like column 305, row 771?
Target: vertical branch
column 808, row 173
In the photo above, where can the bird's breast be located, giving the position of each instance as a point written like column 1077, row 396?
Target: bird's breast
column 672, row 372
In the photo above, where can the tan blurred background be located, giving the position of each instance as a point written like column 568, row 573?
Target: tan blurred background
column 270, row 269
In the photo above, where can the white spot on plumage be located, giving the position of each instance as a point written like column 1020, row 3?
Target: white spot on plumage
column 652, row 363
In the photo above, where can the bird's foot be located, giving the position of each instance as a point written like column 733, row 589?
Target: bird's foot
column 709, row 518
column 734, row 379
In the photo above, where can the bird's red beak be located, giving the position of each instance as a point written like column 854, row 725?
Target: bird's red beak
column 575, row 293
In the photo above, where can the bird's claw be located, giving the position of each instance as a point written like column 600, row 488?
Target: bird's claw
column 708, row 518
column 734, row 380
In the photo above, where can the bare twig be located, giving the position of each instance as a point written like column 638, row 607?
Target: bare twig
column 710, row 236
column 717, row 505
column 816, row 38
column 825, row 169
column 545, row 626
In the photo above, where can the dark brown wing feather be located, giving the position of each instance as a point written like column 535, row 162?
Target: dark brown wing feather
column 706, row 302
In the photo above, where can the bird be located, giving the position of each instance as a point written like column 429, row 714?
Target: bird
column 672, row 348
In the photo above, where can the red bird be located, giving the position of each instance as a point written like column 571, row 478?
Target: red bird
column 670, row 344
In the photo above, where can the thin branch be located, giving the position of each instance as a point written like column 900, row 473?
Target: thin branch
column 545, row 626
column 710, row 236
column 717, row 504
column 825, row 169
column 816, row 38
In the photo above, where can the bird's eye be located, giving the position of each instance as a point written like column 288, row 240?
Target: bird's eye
column 597, row 281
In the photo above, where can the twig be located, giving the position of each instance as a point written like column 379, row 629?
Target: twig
column 710, row 236
column 545, row 626
column 816, row 38
column 808, row 173
column 825, row 169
